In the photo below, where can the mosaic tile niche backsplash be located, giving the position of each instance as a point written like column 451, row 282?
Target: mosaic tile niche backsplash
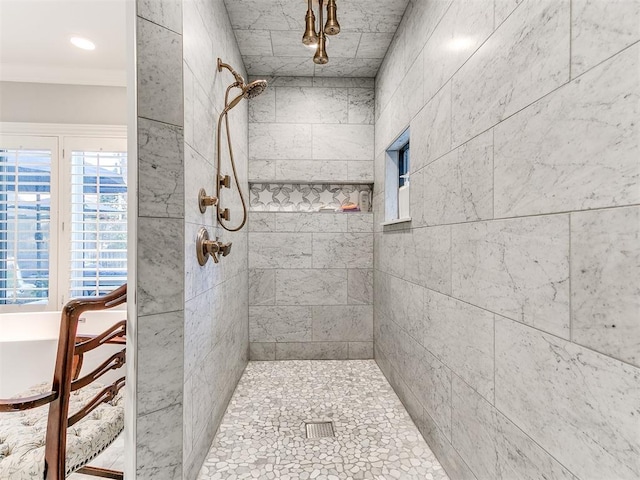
column 289, row 197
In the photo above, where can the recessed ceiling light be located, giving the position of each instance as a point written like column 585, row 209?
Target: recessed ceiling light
column 83, row 43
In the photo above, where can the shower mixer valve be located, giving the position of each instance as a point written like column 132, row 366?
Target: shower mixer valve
column 205, row 247
column 205, row 200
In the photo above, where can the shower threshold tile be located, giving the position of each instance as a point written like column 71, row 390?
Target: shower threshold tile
column 262, row 434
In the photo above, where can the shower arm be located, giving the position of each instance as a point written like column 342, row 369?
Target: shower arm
column 220, row 180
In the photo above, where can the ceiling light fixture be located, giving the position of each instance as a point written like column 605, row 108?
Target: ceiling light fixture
column 83, row 43
column 316, row 40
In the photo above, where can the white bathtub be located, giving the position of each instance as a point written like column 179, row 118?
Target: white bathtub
column 28, row 343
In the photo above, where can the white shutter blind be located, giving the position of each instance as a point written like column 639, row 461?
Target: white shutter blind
column 25, row 217
column 98, row 222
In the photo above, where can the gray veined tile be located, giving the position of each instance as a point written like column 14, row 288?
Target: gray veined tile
column 464, row 27
column 311, row 171
column 577, row 148
column 459, row 186
column 360, row 286
column 578, row 405
column 160, row 359
column 504, row 8
column 280, row 250
column 605, row 268
column 160, row 169
column 167, row 13
column 262, row 109
column 343, row 142
column 361, row 105
column 278, row 66
column 270, row 141
column 600, row 29
column 262, row 351
column 374, row 44
column 280, row 324
column 159, row 70
column 312, row 351
column 161, row 265
column 338, row 323
column 360, row 350
column 497, row 81
column 427, row 257
column 493, row 446
column 461, row 336
column 431, row 130
column 311, row 287
column 262, row 221
column 310, row 223
column 258, row 42
column 294, row 104
column 262, row 286
column 342, row 250
column 348, row 67
column 518, row 268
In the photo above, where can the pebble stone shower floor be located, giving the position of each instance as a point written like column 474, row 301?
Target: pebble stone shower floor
column 262, row 434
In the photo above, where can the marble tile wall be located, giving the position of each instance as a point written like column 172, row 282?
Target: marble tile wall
column 216, row 295
column 192, row 320
column 510, row 303
column 310, row 285
column 160, row 244
column 304, row 129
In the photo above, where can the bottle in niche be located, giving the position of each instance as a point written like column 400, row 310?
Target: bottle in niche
column 364, row 200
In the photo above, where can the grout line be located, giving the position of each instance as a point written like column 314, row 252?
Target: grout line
column 570, row 287
column 570, row 39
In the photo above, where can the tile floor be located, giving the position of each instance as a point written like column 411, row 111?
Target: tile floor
column 262, row 433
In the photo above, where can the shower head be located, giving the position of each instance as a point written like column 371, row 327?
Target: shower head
column 249, row 91
column 254, row 88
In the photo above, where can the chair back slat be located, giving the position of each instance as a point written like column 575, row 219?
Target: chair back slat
column 105, row 395
column 88, row 343
column 114, row 362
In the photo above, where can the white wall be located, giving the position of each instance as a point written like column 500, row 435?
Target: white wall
column 54, row 103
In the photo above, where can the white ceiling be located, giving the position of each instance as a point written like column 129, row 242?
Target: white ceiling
column 269, row 33
column 34, row 41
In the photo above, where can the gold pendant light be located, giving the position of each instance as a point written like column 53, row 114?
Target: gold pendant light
column 332, row 27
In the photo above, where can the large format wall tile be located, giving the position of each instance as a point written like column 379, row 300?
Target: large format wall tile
column 605, row 268
column 161, row 168
column 161, row 241
column 497, row 81
column 590, row 399
column 492, row 445
column 342, row 250
column 352, row 323
column 343, row 142
column 269, row 141
column 459, row 186
column 360, row 286
column 600, row 29
column 461, row 336
column 159, row 70
column 157, row 435
column 311, row 287
column 575, row 149
column 427, row 257
column 167, row 13
column 464, row 27
column 312, row 351
column 518, row 268
column 262, row 286
column 279, row 250
column 280, row 324
column 318, row 105
column 431, row 130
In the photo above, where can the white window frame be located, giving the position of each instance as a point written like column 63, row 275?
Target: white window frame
column 61, row 139
column 391, row 183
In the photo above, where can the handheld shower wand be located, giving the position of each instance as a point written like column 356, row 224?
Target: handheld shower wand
column 248, row 91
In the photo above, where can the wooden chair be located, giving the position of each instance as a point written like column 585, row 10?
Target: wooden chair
column 36, row 443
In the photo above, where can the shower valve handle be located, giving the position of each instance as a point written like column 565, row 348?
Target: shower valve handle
column 206, row 248
column 225, row 181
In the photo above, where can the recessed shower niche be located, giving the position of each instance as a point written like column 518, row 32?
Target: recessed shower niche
column 310, row 197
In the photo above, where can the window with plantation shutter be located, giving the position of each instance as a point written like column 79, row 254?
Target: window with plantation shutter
column 63, row 216
column 26, row 178
column 98, row 227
